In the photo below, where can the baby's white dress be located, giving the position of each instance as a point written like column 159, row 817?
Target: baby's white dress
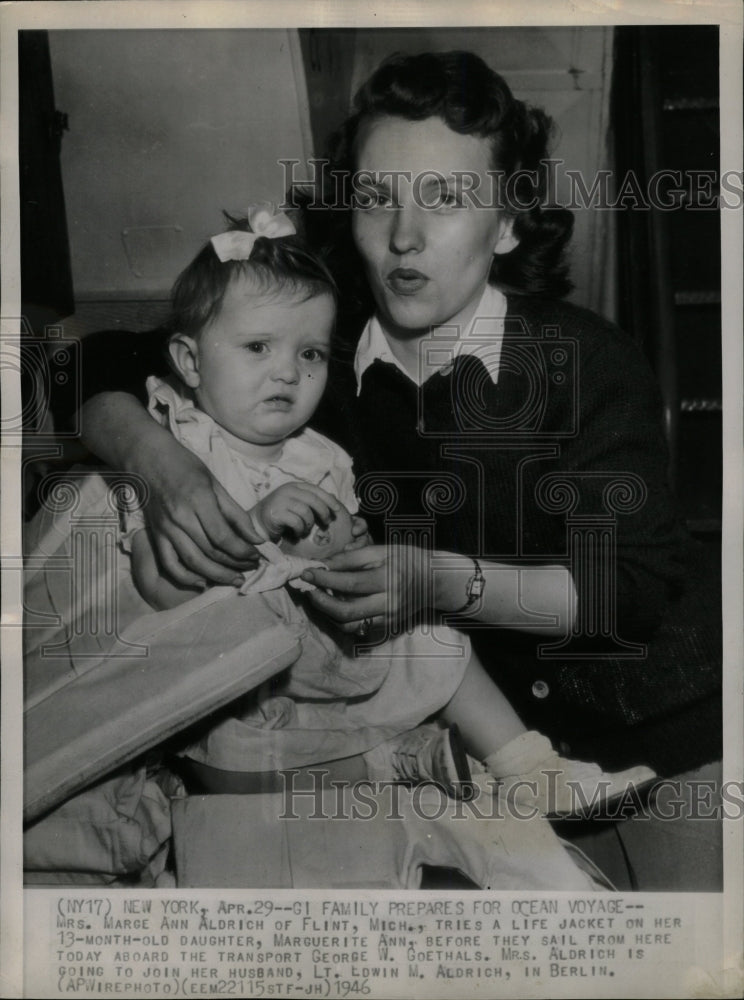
column 338, row 698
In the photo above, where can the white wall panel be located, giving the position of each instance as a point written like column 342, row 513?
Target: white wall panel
column 167, row 128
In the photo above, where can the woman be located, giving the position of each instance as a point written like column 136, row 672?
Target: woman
column 509, row 445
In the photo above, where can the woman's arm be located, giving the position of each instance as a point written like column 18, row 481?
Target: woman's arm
column 392, row 585
column 198, row 531
column 537, row 599
column 619, row 449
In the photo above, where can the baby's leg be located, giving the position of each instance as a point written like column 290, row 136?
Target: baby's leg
column 525, row 762
column 481, row 711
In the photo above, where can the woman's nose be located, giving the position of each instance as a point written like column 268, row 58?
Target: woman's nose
column 407, row 230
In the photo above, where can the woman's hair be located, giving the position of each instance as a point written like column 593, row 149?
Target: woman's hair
column 282, row 264
column 461, row 90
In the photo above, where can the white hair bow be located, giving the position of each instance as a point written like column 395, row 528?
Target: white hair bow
column 264, row 220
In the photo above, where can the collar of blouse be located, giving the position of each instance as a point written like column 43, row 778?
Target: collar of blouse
column 482, row 338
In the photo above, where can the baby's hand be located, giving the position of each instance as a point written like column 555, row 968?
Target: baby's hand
column 294, row 508
column 360, row 536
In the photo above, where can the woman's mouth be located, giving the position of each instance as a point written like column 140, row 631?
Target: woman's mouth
column 406, row 281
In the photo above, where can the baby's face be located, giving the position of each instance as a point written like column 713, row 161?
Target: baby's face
column 263, row 362
column 322, row 543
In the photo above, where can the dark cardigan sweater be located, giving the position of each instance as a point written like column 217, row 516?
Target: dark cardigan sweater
column 575, row 417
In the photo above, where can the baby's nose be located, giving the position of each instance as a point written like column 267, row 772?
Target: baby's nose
column 287, row 370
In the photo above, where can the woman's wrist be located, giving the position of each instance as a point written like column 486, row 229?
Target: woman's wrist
column 530, row 598
column 455, row 580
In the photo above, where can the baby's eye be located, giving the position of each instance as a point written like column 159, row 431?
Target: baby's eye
column 256, row 346
column 314, row 354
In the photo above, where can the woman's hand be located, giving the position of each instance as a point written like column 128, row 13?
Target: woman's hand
column 197, row 530
column 295, row 508
column 386, row 585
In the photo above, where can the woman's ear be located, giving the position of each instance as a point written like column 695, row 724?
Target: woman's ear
column 184, row 353
column 507, row 241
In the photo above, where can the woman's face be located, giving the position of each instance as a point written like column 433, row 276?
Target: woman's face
column 427, row 246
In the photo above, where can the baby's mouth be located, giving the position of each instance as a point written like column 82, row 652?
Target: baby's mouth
column 279, row 402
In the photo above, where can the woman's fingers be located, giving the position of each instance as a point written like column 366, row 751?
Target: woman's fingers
column 370, row 582
column 369, row 557
column 185, row 563
column 348, row 614
column 238, row 520
column 194, row 509
column 354, row 572
column 361, row 628
column 214, row 522
column 172, row 566
column 183, row 528
column 360, row 582
column 360, row 542
column 366, row 628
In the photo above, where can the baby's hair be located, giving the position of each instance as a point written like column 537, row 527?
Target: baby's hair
column 466, row 94
column 282, row 264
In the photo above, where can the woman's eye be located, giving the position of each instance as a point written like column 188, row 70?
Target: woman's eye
column 256, row 347
column 372, row 199
column 447, row 199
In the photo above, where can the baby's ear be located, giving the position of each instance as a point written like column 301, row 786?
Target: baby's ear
column 184, row 354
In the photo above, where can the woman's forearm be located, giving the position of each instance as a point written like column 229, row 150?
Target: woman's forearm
column 395, row 583
column 117, row 428
column 538, row 599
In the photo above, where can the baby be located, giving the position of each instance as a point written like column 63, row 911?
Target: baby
column 252, row 321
